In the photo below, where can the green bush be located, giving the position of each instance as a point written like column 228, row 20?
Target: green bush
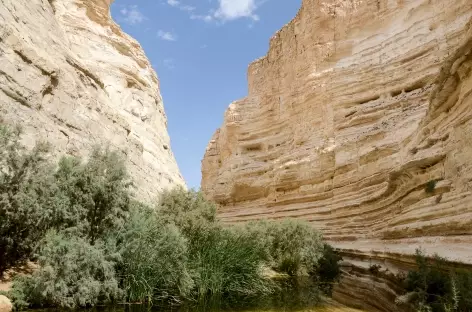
column 154, row 258
column 27, row 192
column 188, row 210
column 437, row 287
column 72, row 273
column 96, row 193
column 430, row 186
column 293, row 247
column 327, row 271
column 86, row 198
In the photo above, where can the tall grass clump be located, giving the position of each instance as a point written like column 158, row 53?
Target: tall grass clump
column 222, row 261
column 154, row 258
column 225, row 263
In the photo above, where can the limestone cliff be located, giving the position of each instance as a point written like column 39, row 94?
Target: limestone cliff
column 71, row 76
column 358, row 120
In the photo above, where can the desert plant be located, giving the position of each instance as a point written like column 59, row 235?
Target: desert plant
column 72, row 273
column 88, row 198
column 328, row 271
column 222, row 261
column 430, row 186
column 293, row 247
column 437, row 287
column 27, row 197
column 96, row 192
column 225, row 263
column 188, row 210
column 154, row 258
column 374, row 269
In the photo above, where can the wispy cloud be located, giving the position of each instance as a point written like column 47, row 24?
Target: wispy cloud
column 165, row 35
column 205, row 18
column 169, row 63
column 131, row 15
column 179, row 5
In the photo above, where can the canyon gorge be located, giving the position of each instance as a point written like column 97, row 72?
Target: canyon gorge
column 358, row 120
column 70, row 76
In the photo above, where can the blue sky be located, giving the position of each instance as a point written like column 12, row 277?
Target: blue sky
column 201, row 51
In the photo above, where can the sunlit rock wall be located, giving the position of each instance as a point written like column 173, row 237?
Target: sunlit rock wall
column 358, row 120
column 71, row 76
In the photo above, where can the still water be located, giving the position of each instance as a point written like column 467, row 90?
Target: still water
column 292, row 296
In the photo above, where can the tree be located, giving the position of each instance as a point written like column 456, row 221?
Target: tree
column 328, row 271
column 97, row 193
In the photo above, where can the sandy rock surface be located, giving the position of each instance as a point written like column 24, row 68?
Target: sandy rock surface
column 71, row 76
column 358, row 120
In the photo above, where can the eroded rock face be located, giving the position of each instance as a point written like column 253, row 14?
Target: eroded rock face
column 69, row 75
column 358, row 120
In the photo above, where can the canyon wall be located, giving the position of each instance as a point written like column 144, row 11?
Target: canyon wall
column 358, row 120
column 69, row 75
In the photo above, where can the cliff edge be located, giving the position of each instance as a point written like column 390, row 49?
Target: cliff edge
column 358, row 120
column 71, row 76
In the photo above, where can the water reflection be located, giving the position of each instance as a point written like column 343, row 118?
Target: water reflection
column 291, row 295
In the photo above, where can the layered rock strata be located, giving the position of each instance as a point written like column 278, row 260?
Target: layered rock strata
column 359, row 121
column 71, row 76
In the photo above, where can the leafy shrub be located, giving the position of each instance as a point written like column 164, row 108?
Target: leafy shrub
column 293, row 247
column 96, row 193
column 154, row 258
column 72, row 274
column 27, row 193
column 328, row 271
column 188, row 210
column 437, row 287
column 88, row 198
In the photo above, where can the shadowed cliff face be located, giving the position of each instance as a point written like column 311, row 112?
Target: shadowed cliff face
column 70, row 76
column 358, row 119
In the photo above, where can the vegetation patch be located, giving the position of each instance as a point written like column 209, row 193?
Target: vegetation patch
column 430, row 186
column 94, row 244
column 436, row 287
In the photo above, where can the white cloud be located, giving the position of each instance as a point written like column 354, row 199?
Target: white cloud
column 173, row 2
column 165, row 35
column 132, row 15
column 229, row 10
